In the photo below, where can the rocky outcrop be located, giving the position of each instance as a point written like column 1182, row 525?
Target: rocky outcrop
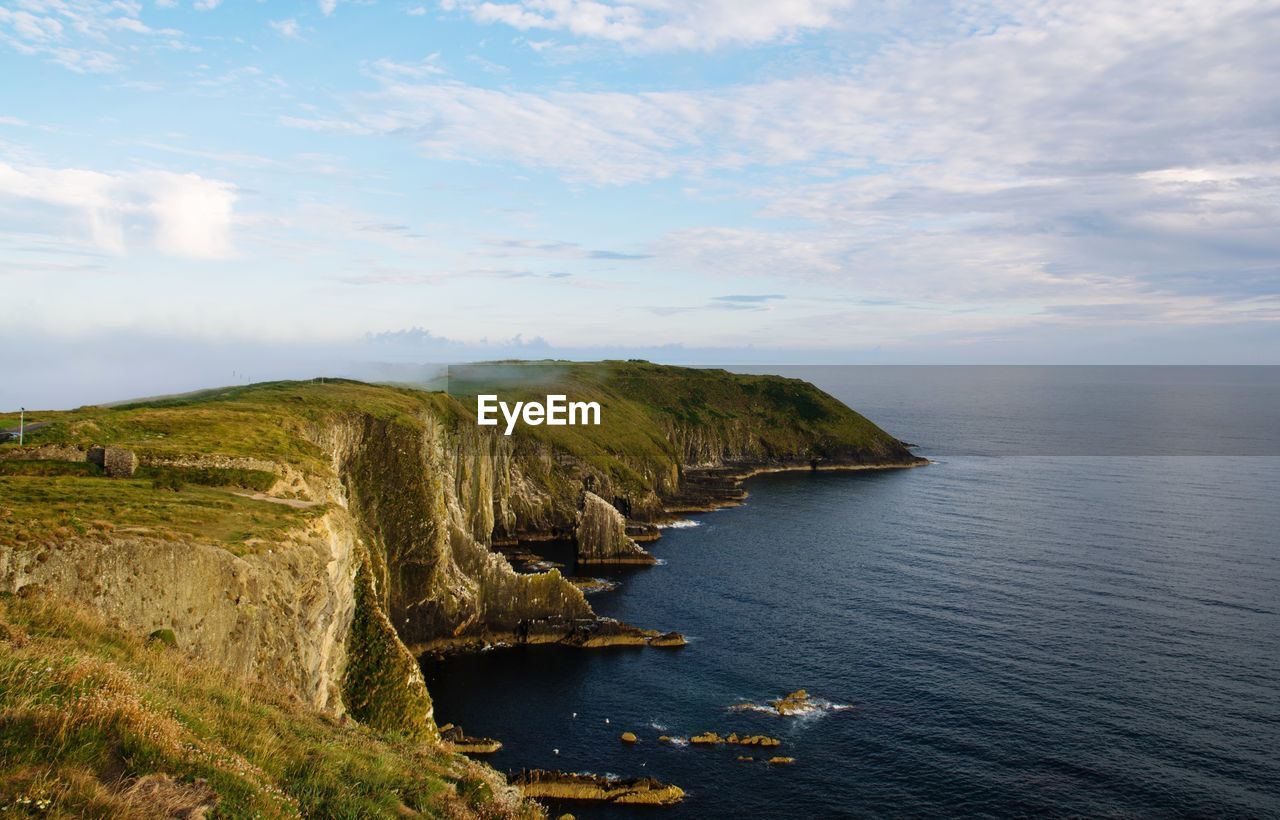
column 594, row 787
column 733, row 739
column 795, row 703
column 601, row 535
column 461, row 742
column 421, row 499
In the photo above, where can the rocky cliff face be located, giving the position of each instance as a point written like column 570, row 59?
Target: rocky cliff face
column 601, row 535
column 282, row 615
column 427, row 498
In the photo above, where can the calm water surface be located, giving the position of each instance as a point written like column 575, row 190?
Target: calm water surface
column 1015, row 635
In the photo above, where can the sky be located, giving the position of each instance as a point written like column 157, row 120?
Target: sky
column 193, row 190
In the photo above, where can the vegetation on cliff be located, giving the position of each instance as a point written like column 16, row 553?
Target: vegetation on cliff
column 95, row 722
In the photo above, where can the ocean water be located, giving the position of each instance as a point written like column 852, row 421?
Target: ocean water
column 996, row 634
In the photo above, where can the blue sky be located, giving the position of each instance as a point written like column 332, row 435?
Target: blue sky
column 810, row 180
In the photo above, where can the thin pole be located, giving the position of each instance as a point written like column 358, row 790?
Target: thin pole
column 22, row 425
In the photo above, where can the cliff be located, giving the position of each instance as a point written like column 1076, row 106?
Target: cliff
column 602, row 535
column 313, row 537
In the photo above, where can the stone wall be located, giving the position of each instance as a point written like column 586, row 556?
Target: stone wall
column 42, row 452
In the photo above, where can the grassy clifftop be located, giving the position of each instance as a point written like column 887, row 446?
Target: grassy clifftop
column 642, row 403
column 656, row 420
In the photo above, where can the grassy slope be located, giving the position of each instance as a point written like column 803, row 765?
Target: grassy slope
column 89, row 716
column 641, row 403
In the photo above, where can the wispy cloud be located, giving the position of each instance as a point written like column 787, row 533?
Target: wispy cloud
column 750, row 298
column 286, row 28
column 553, row 248
column 661, row 24
column 84, row 36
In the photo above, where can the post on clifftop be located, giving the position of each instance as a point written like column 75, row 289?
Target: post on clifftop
column 22, row 425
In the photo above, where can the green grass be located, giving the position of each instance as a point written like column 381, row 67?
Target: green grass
column 643, row 402
column 49, row 468
column 36, row 509
column 259, row 480
column 266, row 421
column 98, row 723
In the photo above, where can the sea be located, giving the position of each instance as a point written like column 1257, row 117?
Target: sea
column 1073, row 611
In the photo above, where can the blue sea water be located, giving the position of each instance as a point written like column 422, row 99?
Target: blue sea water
column 1013, row 634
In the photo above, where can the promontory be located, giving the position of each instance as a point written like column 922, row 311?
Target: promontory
column 218, row 599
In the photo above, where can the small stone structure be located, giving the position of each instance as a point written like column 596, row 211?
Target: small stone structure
column 117, row 462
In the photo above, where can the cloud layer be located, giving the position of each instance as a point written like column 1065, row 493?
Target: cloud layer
column 1102, row 153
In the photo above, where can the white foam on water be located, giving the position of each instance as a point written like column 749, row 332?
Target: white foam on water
column 682, row 524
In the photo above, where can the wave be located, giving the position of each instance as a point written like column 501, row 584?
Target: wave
column 814, row 706
column 682, row 524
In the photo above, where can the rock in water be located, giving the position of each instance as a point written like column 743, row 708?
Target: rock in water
column 468, row 745
column 601, row 534
column 628, row 737
column 796, row 703
column 574, row 786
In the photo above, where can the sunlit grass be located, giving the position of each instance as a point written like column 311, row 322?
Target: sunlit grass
column 98, row 723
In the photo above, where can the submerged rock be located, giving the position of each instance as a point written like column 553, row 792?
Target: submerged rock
column 575, row 786
column 590, row 586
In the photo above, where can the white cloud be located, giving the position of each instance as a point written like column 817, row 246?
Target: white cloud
column 177, row 214
column 664, row 24
column 327, row 7
column 286, row 28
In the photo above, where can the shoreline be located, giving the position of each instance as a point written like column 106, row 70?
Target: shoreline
column 606, row 632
